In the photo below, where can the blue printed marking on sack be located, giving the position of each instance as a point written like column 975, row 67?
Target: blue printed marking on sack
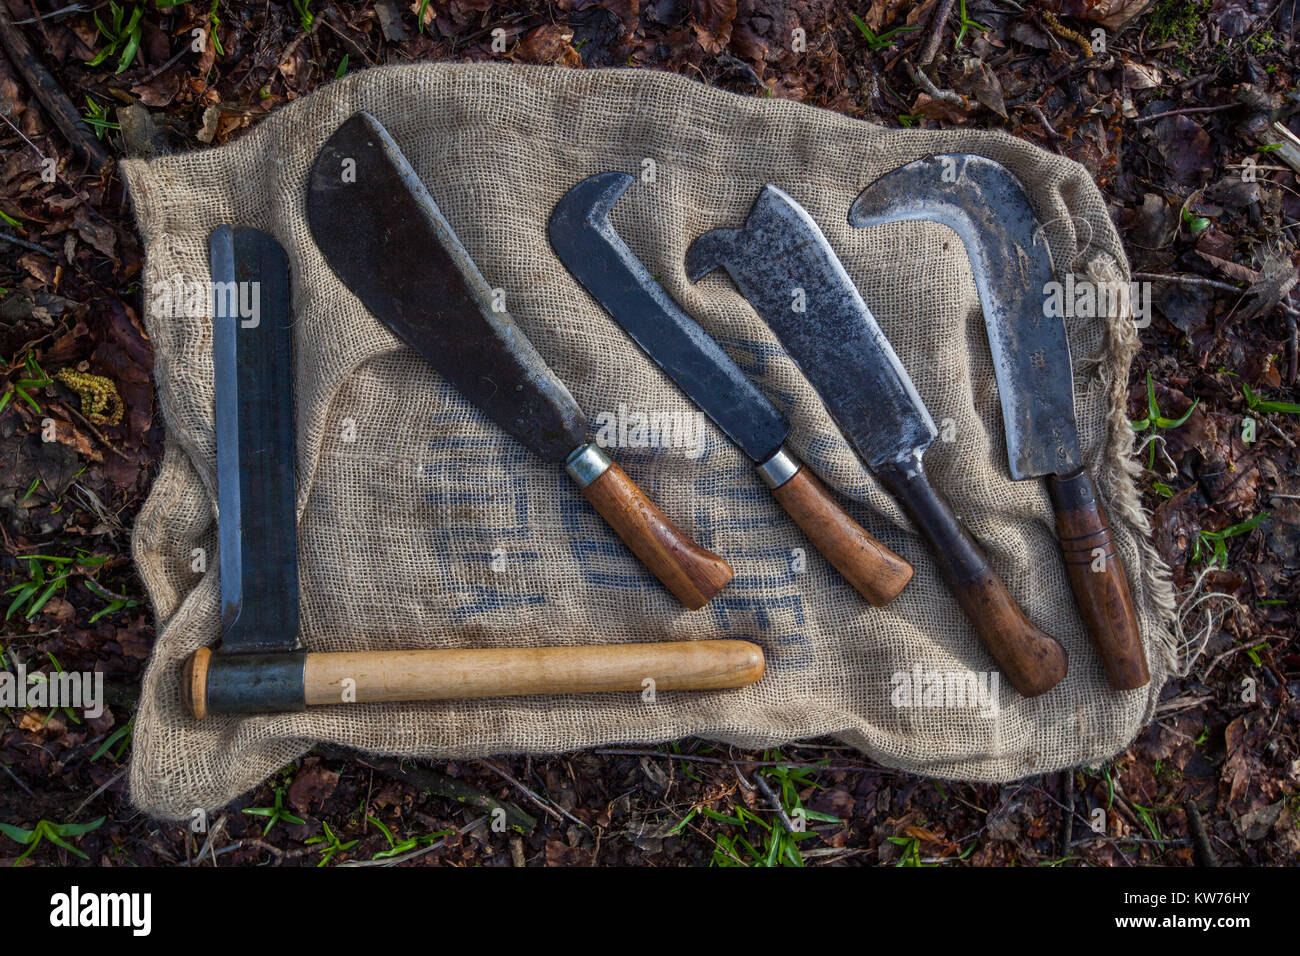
column 490, row 599
column 456, row 496
column 755, row 359
column 761, row 617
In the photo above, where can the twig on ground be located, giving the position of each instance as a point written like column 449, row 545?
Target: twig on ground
column 1184, row 110
column 848, row 768
column 24, row 244
column 104, row 786
column 230, row 848
column 927, row 86
column 426, row 778
column 207, row 843
column 394, row 860
column 62, row 11
column 1200, row 839
column 936, row 31
column 154, row 74
column 1278, row 431
column 1039, row 115
column 765, row 789
column 1067, row 819
column 1084, row 820
column 1179, row 704
column 26, row 789
column 22, row 135
column 48, row 92
column 548, row 805
column 94, row 431
column 1187, row 280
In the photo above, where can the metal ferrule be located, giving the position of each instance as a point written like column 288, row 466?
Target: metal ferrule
column 256, row 683
column 587, row 463
column 778, row 469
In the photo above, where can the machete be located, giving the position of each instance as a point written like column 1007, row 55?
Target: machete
column 986, row 206
column 593, row 251
column 385, row 238
column 260, row 666
column 780, row 260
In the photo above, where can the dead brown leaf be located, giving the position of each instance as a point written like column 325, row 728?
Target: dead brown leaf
column 548, row 44
column 1111, row 14
column 712, row 23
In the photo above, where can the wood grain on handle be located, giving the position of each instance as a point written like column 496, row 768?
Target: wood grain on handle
column 876, row 572
column 461, row 673
column 693, row 574
column 1033, row 661
column 1098, row 580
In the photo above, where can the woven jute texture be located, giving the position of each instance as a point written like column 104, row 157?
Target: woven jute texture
column 422, row 525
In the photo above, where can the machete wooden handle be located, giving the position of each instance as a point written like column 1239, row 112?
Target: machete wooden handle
column 693, row 574
column 1032, row 660
column 1098, row 580
column 369, row 676
column 875, row 572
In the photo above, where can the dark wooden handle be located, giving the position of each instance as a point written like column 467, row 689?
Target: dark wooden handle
column 693, row 574
column 1033, row 661
column 1098, row 580
column 877, row 573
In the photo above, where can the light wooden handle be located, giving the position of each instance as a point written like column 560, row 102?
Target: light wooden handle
column 506, row 672
column 1098, row 580
column 693, row 574
column 264, row 683
column 875, row 572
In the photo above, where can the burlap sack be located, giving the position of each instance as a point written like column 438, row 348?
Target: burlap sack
column 405, row 492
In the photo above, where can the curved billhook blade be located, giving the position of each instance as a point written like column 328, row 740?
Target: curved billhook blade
column 986, row 206
column 786, row 268
column 593, row 251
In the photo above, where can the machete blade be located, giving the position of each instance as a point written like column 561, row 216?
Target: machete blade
column 588, row 245
column 787, row 270
column 252, row 358
column 384, row 237
column 987, row 208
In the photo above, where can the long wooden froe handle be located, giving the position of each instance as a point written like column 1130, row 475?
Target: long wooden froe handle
column 693, row 574
column 1098, row 580
column 1032, row 660
column 875, row 572
column 228, row 683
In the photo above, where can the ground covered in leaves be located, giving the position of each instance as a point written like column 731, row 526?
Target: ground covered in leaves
column 1179, row 110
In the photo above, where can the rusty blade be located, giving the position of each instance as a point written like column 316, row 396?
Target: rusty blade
column 984, row 204
column 788, row 271
column 383, row 235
